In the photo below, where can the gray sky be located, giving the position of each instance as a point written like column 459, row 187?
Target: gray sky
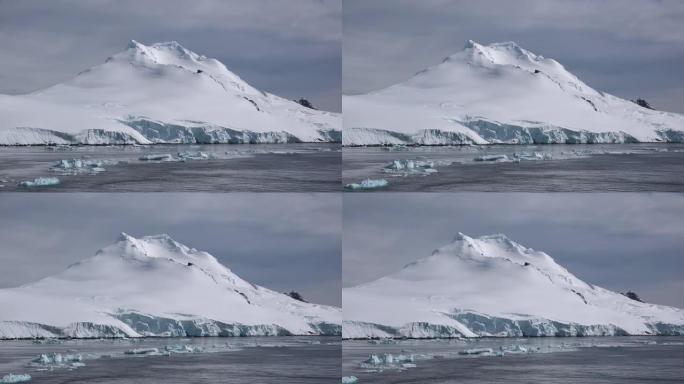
column 627, row 48
column 280, row 241
column 290, row 48
column 620, row 241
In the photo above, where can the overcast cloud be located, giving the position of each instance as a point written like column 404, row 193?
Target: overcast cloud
column 281, row 241
column 618, row 241
column 289, row 48
column 627, row 48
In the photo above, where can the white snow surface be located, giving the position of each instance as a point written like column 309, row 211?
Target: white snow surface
column 161, row 93
column 155, row 286
column 493, row 286
column 500, row 93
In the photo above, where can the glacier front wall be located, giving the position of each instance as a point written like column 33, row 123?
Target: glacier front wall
column 141, row 325
column 481, row 131
column 472, row 324
column 145, row 131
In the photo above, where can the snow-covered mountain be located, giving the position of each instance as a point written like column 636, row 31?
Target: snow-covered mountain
column 154, row 286
column 162, row 93
column 500, row 93
column 492, row 286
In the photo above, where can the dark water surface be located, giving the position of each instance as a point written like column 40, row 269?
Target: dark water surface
column 590, row 360
column 570, row 168
column 240, row 167
column 269, row 360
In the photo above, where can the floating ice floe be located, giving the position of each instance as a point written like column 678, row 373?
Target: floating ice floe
column 180, row 156
column 492, row 158
column 533, row 156
column 349, row 380
column 184, row 348
column 76, row 166
column 12, row 378
column 59, row 360
column 157, row 157
column 389, row 361
column 142, row 351
column 40, row 182
column 477, row 351
column 368, row 184
column 411, row 167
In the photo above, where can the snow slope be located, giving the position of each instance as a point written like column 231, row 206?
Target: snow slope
column 500, row 93
column 154, row 286
column 162, row 93
column 492, row 286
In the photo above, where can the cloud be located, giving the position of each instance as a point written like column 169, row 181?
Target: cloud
column 292, row 49
column 618, row 241
column 629, row 51
column 281, row 241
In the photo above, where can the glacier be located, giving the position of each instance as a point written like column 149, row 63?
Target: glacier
column 155, row 287
column 500, row 94
column 492, row 286
column 159, row 93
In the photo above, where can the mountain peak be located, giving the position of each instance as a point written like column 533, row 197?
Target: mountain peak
column 153, row 247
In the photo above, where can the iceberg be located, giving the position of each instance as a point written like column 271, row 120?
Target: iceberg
column 349, row 380
column 142, row 351
column 388, row 361
column 411, row 167
column 492, row 158
column 157, row 157
column 477, row 351
column 77, row 166
column 12, row 378
column 367, row 184
column 40, row 182
column 199, row 155
column 59, row 360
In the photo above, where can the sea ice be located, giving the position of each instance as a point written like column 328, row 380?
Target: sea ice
column 75, row 166
column 59, row 360
column 409, row 167
column 532, row 156
column 190, row 155
column 492, row 158
column 40, row 182
column 477, row 351
column 157, row 157
column 22, row 378
column 368, row 184
column 349, row 380
column 184, row 348
column 142, row 351
column 389, row 360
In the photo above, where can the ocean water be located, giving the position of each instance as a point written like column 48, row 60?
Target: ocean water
column 529, row 168
column 552, row 360
column 241, row 167
column 245, row 360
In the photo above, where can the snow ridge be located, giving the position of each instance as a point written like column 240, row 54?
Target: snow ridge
column 493, row 286
column 155, row 286
column 500, row 93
